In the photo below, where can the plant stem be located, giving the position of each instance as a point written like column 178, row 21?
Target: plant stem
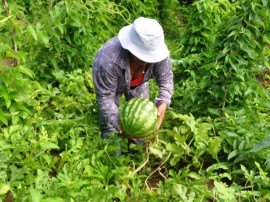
column 5, row 6
column 13, row 32
column 15, row 47
column 157, row 169
column 51, row 4
column 143, row 164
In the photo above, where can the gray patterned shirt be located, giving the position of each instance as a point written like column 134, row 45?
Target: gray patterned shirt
column 111, row 74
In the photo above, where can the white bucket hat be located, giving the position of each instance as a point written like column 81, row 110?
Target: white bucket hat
column 144, row 39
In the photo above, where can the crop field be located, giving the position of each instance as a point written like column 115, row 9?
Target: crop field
column 214, row 142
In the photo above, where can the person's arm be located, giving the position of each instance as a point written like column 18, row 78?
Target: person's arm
column 164, row 76
column 105, row 80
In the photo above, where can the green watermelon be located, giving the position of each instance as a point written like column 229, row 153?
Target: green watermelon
column 138, row 118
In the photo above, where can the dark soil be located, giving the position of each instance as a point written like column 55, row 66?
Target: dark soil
column 9, row 198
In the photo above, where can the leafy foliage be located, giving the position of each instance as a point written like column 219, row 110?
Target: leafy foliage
column 221, row 55
column 214, row 141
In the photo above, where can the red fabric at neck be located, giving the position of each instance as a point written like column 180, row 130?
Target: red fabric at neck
column 137, row 81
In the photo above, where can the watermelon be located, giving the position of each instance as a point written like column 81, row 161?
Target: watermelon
column 138, row 118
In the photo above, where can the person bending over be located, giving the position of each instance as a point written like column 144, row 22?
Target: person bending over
column 123, row 66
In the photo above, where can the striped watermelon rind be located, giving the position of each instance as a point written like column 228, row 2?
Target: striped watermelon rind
column 138, row 118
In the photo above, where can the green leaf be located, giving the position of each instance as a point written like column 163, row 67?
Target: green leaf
column 203, row 82
column 266, row 38
column 54, row 199
column 156, row 152
column 214, row 146
column 215, row 111
column 26, row 70
column 242, row 145
column 32, row 32
column 265, row 3
column 246, row 47
column 240, row 158
column 232, row 63
column 60, row 27
column 5, row 19
column 247, row 33
column 4, row 188
column 53, row 60
column 14, row 128
column 49, row 145
column 5, row 95
column 67, row 7
column 258, row 22
column 181, row 191
column 231, row 134
column 249, row 91
column 17, row 55
column 264, row 144
column 3, row 117
column 217, row 167
column 227, row 175
column 44, row 37
column 35, row 195
column 232, row 155
column 75, row 21
column 234, row 32
column 194, row 175
column 15, row 107
column 226, row 193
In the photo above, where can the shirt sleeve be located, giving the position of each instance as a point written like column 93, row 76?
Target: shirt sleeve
column 164, row 75
column 105, row 81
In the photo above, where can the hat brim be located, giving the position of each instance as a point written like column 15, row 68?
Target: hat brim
column 147, row 56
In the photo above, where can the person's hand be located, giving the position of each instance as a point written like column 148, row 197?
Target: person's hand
column 119, row 129
column 121, row 132
column 161, row 113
